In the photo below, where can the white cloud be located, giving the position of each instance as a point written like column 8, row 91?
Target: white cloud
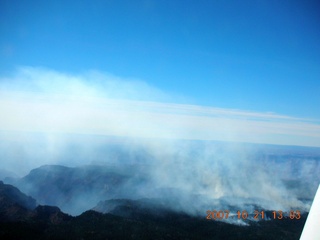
column 41, row 100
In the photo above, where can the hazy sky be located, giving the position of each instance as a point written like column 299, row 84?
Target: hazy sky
column 222, row 70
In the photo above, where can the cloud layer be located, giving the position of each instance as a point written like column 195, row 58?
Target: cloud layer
column 43, row 100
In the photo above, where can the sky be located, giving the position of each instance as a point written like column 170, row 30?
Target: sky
column 78, row 76
column 211, row 70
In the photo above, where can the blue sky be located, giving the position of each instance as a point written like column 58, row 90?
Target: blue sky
column 259, row 57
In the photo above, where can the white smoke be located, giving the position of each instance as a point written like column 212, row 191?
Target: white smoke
column 48, row 117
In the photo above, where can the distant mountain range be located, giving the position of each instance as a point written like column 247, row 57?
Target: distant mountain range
column 75, row 190
column 78, row 189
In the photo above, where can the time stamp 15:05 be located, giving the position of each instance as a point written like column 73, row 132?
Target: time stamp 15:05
column 225, row 214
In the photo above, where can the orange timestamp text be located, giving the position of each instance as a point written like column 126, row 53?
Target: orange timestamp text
column 225, row 214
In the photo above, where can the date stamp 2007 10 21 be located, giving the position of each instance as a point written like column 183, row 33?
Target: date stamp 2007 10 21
column 225, row 214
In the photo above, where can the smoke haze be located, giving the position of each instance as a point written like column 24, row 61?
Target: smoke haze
column 52, row 118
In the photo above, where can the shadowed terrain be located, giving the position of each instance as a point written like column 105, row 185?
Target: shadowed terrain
column 133, row 220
